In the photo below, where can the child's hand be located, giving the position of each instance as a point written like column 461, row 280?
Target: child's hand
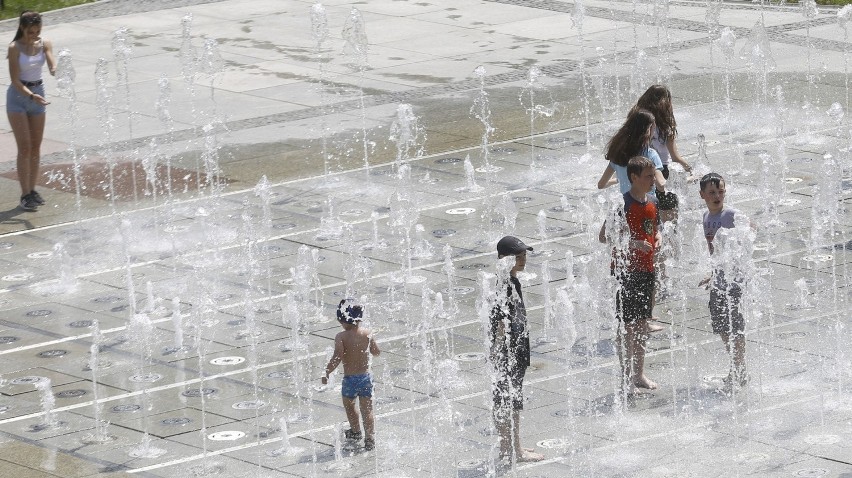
column 642, row 245
column 324, row 380
column 705, row 282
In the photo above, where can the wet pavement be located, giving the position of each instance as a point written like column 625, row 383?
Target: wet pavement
column 209, row 205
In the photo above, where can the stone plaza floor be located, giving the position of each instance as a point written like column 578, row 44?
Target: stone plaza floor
column 219, row 174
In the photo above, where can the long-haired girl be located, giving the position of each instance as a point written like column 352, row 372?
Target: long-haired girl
column 658, row 100
column 25, row 101
column 632, row 139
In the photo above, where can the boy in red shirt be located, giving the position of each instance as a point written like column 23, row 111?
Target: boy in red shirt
column 634, row 269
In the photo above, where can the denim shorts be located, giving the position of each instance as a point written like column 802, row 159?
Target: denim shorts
column 357, row 386
column 18, row 103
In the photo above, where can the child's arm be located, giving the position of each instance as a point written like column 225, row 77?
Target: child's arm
column 675, row 155
column 659, row 180
column 602, row 233
column 335, row 360
column 374, row 347
column 606, row 179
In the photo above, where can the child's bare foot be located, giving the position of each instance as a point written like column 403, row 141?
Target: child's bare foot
column 735, row 378
column 527, row 455
column 644, row 382
column 652, row 327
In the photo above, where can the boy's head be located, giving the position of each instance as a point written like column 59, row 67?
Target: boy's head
column 512, row 246
column 713, row 191
column 640, row 172
column 349, row 312
column 711, row 178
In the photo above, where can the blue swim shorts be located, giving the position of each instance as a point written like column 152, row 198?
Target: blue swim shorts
column 18, row 103
column 357, row 386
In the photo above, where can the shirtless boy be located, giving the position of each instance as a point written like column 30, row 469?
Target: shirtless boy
column 353, row 347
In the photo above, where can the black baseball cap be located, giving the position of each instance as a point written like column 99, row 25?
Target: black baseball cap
column 511, row 246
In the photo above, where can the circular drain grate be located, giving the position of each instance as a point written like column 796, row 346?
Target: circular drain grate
column 470, row 464
column 28, row 380
column 521, row 199
column 249, row 405
column 17, row 277
column 756, row 152
column 40, row 255
column 226, row 436
column 284, row 226
column 81, row 324
column 659, row 365
column 70, row 393
column 792, row 180
column 470, row 356
column 818, row 258
column 7, row 245
column 176, row 421
column 39, row 313
column 52, row 353
column 503, row 150
column 559, row 140
column 145, row 378
column 228, row 361
column 443, row 232
column 107, row 299
column 4, row 408
column 8, row 339
column 195, row 392
column 458, row 290
column 474, row 266
column 789, row 202
column 791, row 335
column 461, row 211
column 388, row 399
column 822, row 439
column 129, row 408
column 279, row 374
column 810, row 472
column 352, row 212
column 448, row 160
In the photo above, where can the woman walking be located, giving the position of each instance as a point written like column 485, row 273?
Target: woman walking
column 25, row 101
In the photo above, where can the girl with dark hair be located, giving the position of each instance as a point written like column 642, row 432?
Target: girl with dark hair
column 25, row 101
column 658, row 100
column 632, row 139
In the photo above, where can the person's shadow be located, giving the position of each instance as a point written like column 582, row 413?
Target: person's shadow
column 11, row 217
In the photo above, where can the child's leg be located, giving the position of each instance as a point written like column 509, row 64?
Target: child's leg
column 504, row 432
column 623, row 358
column 735, row 346
column 522, row 454
column 351, row 414
column 736, row 349
column 636, row 345
column 366, row 404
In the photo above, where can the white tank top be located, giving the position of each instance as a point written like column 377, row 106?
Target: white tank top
column 31, row 65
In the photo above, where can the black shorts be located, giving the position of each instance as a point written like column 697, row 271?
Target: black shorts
column 634, row 300
column 725, row 314
column 508, row 392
